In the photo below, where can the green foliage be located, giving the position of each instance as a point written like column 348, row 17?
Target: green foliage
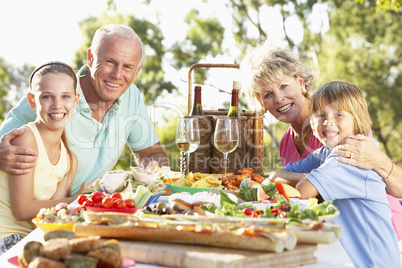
column 363, row 46
column 4, row 80
column 204, row 37
column 12, row 79
column 385, row 5
column 167, row 135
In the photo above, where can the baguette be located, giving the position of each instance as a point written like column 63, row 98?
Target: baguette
column 276, row 242
column 313, row 234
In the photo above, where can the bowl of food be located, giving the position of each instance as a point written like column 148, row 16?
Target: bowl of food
column 144, row 175
column 149, row 175
column 61, row 216
column 46, row 227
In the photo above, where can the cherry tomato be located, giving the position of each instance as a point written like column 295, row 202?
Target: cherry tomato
column 247, row 211
column 107, row 202
column 97, row 197
column 88, row 203
column 120, row 203
column 130, row 203
column 116, row 196
column 82, row 198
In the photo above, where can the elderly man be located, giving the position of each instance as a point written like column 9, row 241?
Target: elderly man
column 110, row 114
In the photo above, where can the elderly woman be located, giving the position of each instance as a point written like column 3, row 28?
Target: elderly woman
column 280, row 82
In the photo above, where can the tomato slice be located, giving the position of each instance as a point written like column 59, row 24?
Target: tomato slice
column 281, row 190
column 275, row 210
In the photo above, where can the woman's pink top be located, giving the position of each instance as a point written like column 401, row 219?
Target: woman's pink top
column 289, row 154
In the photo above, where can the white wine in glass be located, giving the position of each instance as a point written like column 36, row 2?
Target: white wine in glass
column 226, row 137
column 187, row 137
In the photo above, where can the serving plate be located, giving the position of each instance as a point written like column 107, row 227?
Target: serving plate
column 121, row 210
column 127, row 263
column 46, row 227
column 192, row 190
column 153, row 199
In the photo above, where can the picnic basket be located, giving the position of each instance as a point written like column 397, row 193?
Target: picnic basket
column 207, row 159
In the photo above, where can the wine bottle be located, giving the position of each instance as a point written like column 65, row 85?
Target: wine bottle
column 197, row 105
column 234, row 110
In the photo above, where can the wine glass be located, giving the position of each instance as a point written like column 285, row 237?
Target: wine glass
column 187, row 137
column 226, row 137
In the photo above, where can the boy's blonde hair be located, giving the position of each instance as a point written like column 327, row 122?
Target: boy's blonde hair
column 347, row 97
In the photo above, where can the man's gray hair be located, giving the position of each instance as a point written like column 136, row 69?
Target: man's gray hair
column 119, row 30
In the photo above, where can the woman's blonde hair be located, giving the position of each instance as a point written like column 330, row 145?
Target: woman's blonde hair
column 347, row 97
column 267, row 63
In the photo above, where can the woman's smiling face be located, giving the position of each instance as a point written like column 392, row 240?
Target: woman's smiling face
column 284, row 100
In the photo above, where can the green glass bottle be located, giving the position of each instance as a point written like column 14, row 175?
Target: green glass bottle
column 234, row 110
column 197, row 105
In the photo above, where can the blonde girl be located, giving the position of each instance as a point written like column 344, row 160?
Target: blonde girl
column 53, row 95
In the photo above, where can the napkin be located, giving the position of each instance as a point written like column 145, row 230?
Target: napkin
column 113, row 180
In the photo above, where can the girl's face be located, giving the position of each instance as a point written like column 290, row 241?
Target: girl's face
column 333, row 126
column 284, row 100
column 54, row 100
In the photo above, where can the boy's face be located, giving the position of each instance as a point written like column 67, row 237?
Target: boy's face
column 333, row 126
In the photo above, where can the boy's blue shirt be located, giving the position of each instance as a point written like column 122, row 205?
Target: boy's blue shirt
column 368, row 235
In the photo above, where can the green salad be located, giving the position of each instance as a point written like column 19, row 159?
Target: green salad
column 281, row 209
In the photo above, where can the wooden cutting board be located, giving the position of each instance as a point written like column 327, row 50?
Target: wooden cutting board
column 179, row 255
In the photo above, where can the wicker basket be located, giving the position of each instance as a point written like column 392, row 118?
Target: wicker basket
column 249, row 152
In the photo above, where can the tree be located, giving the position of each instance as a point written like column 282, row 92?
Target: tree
column 12, row 79
column 365, row 47
column 386, row 5
column 361, row 46
column 204, row 37
column 4, row 81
